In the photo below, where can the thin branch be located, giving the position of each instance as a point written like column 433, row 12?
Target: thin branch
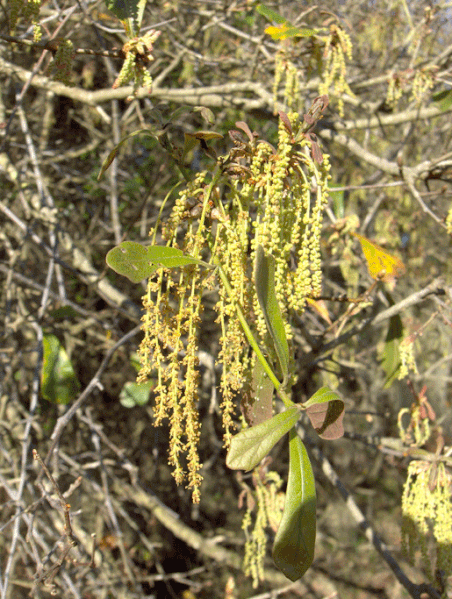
column 23, row 465
column 436, row 287
column 28, row 79
column 93, row 384
column 409, row 179
column 80, row 265
column 52, row 45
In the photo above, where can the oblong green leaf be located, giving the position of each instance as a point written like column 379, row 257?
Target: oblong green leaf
column 251, row 445
column 257, row 405
column 293, row 549
column 391, row 351
column 444, row 98
column 112, row 155
column 137, row 262
column 264, row 279
column 131, row 260
column 59, row 383
column 326, row 411
column 168, row 257
column 270, row 14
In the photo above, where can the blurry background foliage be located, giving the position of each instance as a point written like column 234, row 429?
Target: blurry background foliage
column 387, row 132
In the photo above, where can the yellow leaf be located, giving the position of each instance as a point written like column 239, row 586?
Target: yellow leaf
column 382, row 266
column 277, row 32
column 285, row 31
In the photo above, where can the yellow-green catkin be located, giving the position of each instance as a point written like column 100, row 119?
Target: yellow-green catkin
column 259, row 195
column 264, row 511
column 171, row 324
column 231, row 250
column 127, row 72
column 138, row 53
column 418, row 430
column 396, row 83
column 287, row 73
column 426, row 500
column 407, row 357
column 170, row 344
column 29, row 11
column 449, row 221
column 423, row 81
column 338, row 49
column 427, row 516
column 61, row 67
column 291, row 198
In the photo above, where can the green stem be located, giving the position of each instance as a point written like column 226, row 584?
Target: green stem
column 252, row 340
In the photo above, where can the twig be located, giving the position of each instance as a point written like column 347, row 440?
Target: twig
column 31, row 74
column 435, row 287
column 67, row 302
column 46, row 200
column 409, row 180
column 111, row 511
column 64, row 506
column 52, row 45
column 23, row 465
column 193, row 539
column 81, row 265
column 114, row 194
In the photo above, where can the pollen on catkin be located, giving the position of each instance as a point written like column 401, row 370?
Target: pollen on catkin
column 261, row 195
column 427, row 516
column 338, row 49
column 29, row 11
column 61, row 66
column 264, row 511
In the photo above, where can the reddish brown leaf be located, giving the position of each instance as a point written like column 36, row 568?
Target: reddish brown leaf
column 326, row 418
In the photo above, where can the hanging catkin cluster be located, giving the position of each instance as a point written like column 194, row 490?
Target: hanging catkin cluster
column 426, row 500
column 171, row 333
column 28, row 10
column 259, row 195
column 267, row 501
column 338, row 49
column 138, row 53
column 427, row 516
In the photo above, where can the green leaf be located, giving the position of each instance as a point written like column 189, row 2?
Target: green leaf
column 391, row 353
column 270, row 14
column 251, row 445
column 112, row 155
column 128, row 11
column 257, row 405
column 135, row 394
column 131, row 260
column 138, row 262
column 206, row 114
column 326, row 411
column 168, row 257
column 264, row 278
column 293, row 549
column 337, row 198
column 59, row 383
column 444, row 98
